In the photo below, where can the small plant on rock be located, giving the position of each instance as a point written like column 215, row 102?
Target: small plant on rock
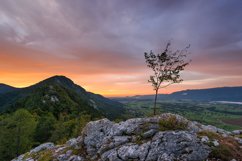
column 171, row 123
column 209, row 134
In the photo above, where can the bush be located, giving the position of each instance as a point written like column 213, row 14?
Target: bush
column 172, row 123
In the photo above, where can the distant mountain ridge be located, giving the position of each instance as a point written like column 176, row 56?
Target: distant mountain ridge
column 210, row 94
column 58, row 94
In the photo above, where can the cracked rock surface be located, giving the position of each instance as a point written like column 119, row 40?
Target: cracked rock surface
column 138, row 139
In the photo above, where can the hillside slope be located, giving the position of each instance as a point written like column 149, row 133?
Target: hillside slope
column 57, row 95
column 160, row 138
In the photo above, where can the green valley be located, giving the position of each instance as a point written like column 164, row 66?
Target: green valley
column 211, row 113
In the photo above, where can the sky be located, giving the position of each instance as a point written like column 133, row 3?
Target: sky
column 100, row 44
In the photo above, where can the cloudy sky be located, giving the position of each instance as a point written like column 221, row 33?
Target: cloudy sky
column 99, row 44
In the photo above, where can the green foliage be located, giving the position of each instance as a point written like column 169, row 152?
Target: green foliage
column 172, row 123
column 21, row 130
column 16, row 135
column 58, row 95
column 81, row 123
column 56, row 110
column 66, row 128
column 55, row 99
column 45, row 156
column 63, row 130
column 45, row 128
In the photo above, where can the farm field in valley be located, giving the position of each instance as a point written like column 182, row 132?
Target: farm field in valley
column 226, row 116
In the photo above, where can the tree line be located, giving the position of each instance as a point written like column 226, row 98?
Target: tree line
column 22, row 130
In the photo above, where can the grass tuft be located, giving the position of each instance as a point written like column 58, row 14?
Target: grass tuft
column 172, row 123
column 211, row 135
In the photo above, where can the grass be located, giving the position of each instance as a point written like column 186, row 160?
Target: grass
column 139, row 140
column 74, row 151
column 45, row 156
column 209, row 134
column 172, row 123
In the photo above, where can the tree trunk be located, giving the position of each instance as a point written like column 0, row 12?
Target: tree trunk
column 156, row 92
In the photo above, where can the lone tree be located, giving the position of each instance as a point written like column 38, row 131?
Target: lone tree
column 166, row 67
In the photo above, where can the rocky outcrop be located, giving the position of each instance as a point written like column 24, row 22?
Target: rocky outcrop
column 42, row 147
column 166, row 137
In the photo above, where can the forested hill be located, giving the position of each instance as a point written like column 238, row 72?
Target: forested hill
column 57, row 95
column 55, row 109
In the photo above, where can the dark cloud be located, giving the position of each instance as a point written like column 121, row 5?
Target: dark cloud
column 110, row 36
column 225, row 62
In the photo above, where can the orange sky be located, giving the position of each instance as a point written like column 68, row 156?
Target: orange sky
column 22, row 67
column 100, row 45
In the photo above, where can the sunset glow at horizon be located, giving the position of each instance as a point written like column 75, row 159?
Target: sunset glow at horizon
column 100, row 45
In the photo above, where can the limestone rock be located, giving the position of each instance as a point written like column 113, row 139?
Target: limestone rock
column 215, row 143
column 138, row 139
column 237, row 132
column 205, row 139
column 42, row 147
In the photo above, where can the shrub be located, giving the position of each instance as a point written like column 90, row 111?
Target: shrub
column 172, row 123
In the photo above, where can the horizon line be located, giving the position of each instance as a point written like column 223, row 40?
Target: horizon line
column 117, row 96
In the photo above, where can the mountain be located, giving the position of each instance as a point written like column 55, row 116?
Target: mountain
column 160, row 138
column 6, row 88
column 57, row 95
column 210, row 94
